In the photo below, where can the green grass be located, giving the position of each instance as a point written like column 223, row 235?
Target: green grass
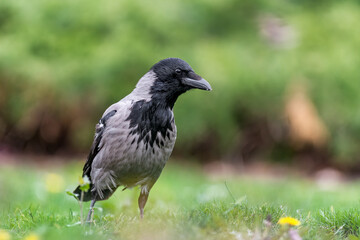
column 184, row 204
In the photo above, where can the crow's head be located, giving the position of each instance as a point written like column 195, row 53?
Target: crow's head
column 169, row 78
column 176, row 74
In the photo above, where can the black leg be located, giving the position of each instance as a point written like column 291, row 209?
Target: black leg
column 88, row 219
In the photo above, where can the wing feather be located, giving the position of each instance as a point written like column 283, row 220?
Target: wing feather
column 96, row 147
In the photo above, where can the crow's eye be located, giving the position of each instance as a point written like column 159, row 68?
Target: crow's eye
column 178, row 71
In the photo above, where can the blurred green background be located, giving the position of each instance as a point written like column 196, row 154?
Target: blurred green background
column 285, row 75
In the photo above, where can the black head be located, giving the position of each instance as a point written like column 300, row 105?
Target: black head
column 174, row 77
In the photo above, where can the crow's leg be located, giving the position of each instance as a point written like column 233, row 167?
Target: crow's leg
column 88, row 219
column 142, row 201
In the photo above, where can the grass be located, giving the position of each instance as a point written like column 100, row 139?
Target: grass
column 184, row 204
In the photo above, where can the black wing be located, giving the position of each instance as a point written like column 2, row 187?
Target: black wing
column 99, row 130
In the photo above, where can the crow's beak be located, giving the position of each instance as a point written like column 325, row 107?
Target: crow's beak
column 197, row 82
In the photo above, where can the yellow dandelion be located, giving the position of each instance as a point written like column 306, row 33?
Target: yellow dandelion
column 81, row 181
column 54, row 183
column 32, row 236
column 289, row 221
column 4, row 235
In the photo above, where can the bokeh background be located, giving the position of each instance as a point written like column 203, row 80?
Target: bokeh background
column 285, row 76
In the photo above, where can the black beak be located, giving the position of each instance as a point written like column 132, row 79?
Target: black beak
column 197, row 82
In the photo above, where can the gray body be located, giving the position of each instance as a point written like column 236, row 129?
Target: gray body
column 122, row 160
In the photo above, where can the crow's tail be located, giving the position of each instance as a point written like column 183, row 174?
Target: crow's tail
column 88, row 196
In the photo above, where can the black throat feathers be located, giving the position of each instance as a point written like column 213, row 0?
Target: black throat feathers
column 151, row 117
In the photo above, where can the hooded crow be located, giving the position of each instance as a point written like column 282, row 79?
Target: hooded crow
column 135, row 136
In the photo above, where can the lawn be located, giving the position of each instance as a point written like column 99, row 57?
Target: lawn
column 185, row 203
